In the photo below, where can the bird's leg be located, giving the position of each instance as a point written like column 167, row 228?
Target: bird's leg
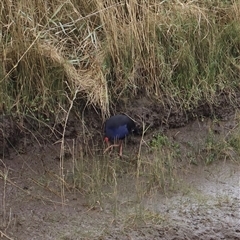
column 107, row 148
column 120, row 148
column 110, row 147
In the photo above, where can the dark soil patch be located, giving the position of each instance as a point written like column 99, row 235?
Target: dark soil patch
column 88, row 126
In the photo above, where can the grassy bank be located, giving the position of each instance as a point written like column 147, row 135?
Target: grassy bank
column 179, row 52
column 57, row 55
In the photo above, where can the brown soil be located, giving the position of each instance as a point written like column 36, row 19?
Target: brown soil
column 204, row 205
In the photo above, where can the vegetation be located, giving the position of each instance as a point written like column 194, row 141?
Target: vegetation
column 57, row 57
column 177, row 52
column 56, row 54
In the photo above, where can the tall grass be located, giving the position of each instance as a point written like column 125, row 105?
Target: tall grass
column 182, row 52
column 58, row 53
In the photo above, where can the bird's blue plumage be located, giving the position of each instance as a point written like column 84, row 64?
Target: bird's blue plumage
column 117, row 132
column 118, row 127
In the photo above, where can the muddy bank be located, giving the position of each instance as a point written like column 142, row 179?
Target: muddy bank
column 87, row 126
column 204, row 204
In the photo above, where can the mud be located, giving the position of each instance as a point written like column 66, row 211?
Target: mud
column 172, row 115
column 204, row 204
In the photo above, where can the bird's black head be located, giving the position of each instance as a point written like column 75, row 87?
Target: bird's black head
column 136, row 130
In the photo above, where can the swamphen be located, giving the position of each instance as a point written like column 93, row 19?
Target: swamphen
column 116, row 129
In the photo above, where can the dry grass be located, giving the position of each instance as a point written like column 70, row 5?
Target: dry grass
column 176, row 52
column 180, row 52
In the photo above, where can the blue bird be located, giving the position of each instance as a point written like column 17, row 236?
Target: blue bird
column 116, row 129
